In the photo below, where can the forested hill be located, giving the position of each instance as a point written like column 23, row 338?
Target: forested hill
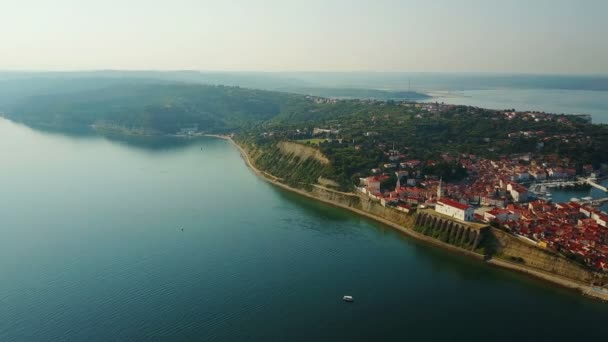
column 355, row 135
column 164, row 107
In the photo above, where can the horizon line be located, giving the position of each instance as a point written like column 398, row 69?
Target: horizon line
column 244, row 71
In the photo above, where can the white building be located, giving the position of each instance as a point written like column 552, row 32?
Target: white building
column 455, row 209
column 317, row 131
column 518, row 192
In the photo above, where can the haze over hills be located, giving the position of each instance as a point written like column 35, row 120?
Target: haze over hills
column 373, row 80
column 23, row 83
column 17, row 89
column 166, row 101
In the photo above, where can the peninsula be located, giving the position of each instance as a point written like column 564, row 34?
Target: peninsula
column 471, row 180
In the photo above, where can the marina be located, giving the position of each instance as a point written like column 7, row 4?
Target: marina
column 541, row 189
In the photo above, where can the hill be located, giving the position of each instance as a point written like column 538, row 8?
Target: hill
column 163, row 108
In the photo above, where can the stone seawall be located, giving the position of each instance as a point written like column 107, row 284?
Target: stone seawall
column 509, row 247
column 536, row 262
column 362, row 203
column 370, row 208
column 465, row 235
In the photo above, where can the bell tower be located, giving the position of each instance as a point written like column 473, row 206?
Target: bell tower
column 439, row 189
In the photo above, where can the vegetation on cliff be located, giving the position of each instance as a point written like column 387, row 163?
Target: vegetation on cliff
column 297, row 166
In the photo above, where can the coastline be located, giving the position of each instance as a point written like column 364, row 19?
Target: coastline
column 582, row 288
column 273, row 180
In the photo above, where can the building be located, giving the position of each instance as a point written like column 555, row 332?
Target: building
column 317, row 131
column 500, row 215
column 518, row 192
column 455, row 209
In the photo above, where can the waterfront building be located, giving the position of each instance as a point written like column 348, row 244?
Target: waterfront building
column 455, row 209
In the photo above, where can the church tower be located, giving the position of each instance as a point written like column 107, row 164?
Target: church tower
column 439, row 189
column 398, row 182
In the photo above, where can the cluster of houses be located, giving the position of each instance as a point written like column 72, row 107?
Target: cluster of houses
column 322, row 100
column 490, row 182
column 542, row 116
column 570, row 228
column 497, row 185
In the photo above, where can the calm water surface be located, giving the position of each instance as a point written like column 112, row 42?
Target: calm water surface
column 561, row 195
column 92, row 249
column 558, row 101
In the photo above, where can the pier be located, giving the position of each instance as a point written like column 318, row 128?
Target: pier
column 594, row 202
column 592, row 182
column 540, row 189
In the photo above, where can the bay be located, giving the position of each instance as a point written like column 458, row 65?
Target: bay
column 92, row 248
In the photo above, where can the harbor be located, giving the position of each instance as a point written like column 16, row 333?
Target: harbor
column 543, row 190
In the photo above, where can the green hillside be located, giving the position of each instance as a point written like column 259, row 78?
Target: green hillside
column 165, row 108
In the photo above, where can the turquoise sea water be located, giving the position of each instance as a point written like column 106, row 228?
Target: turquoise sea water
column 92, row 248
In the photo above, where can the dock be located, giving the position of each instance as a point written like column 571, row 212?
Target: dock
column 540, row 189
column 536, row 187
column 592, row 182
column 595, row 203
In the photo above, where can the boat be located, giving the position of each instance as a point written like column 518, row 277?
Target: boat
column 349, row 299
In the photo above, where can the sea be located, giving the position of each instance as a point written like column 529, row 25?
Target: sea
column 162, row 239
column 559, row 94
column 556, row 101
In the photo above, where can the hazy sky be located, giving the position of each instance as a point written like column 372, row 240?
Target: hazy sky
column 539, row 36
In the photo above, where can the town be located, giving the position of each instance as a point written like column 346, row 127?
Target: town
column 494, row 193
column 495, row 167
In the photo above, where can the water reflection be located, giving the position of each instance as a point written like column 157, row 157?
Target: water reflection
column 322, row 210
column 150, row 142
column 153, row 143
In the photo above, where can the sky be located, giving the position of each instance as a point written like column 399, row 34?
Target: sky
column 532, row 36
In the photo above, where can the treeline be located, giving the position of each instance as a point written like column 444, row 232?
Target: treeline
column 165, row 108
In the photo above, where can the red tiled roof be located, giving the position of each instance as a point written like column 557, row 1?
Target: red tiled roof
column 452, row 203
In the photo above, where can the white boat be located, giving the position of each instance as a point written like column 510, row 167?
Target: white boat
column 348, row 299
